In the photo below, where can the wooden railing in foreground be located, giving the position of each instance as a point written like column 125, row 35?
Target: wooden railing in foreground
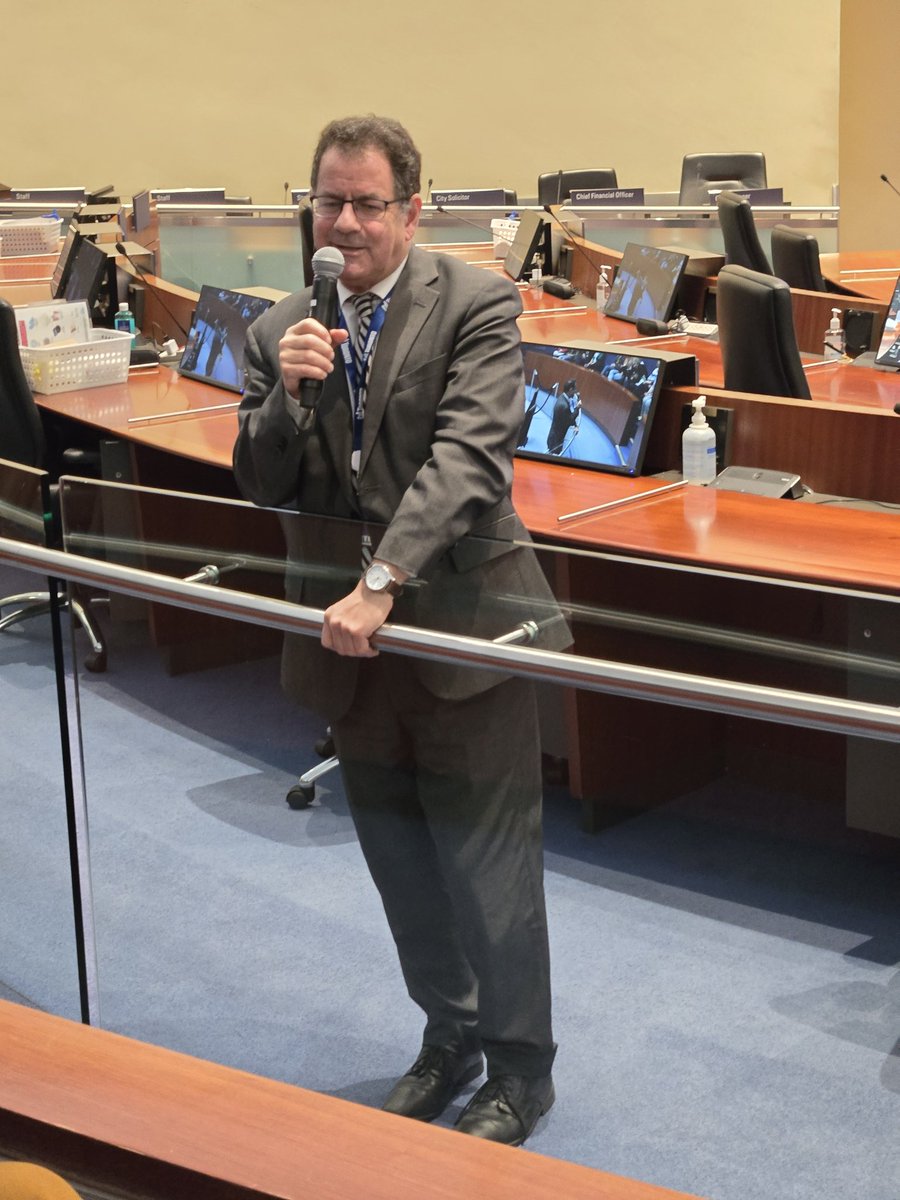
column 140, row 1121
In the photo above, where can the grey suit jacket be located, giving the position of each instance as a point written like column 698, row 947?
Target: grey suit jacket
column 444, row 408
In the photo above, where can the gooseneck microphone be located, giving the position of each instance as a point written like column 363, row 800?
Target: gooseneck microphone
column 328, row 266
column 884, row 179
column 142, row 274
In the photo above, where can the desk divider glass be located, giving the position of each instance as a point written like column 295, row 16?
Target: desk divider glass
column 259, row 245
column 190, row 749
column 38, row 947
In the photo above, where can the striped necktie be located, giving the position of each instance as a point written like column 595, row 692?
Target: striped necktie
column 365, row 304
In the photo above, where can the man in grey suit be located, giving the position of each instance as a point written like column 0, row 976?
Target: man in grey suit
column 412, row 438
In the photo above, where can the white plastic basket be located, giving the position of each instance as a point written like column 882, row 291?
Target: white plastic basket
column 104, row 359
column 33, row 235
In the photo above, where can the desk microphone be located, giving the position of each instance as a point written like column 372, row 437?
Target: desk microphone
column 448, row 212
column 897, row 408
column 574, row 245
column 143, row 273
column 885, row 179
column 649, row 327
column 328, row 266
column 428, row 191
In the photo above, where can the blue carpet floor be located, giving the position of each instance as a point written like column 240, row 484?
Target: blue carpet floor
column 727, row 997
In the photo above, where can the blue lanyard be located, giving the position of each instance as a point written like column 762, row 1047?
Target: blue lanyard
column 358, row 372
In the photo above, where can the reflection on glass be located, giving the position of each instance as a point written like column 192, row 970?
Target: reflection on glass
column 37, row 940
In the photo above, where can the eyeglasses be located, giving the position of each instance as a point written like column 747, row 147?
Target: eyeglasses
column 366, row 208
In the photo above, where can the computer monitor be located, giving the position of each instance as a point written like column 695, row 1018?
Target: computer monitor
column 645, row 284
column 524, row 245
column 588, row 407
column 86, row 270
column 888, row 354
column 141, row 212
column 214, row 351
column 64, row 263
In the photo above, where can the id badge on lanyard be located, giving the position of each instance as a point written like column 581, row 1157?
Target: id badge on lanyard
column 358, row 376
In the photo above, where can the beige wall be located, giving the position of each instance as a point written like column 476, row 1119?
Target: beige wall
column 870, row 92
column 233, row 92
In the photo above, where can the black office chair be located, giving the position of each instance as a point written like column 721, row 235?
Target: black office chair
column 554, row 187
column 703, row 173
column 22, row 441
column 742, row 245
column 795, row 259
column 756, row 334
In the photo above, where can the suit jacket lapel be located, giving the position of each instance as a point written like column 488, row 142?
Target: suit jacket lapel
column 414, row 296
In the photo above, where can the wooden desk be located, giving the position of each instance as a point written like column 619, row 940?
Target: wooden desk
column 118, row 1114
column 845, row 441
column 871, row 273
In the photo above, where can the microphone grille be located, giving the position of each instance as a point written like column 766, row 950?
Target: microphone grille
column 328, row 261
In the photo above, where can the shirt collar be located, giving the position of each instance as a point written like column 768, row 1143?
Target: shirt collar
column 381, row 289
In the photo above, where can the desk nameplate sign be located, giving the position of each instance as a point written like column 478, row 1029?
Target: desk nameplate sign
column 607, row 197
column 482, row 197
column 767, row 197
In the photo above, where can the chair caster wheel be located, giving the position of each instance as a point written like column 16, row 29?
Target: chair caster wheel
column 95, row 663
column 301, row 796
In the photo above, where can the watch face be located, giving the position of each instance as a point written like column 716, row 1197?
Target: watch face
column 378, row 578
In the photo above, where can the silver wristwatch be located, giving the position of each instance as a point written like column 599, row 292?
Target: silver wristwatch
column 378, row 578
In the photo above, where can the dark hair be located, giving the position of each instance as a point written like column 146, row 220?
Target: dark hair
column 352, row 135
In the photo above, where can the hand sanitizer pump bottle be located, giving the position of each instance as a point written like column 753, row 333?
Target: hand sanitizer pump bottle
column 835, row 339
column 698, row 447
column 602, row 288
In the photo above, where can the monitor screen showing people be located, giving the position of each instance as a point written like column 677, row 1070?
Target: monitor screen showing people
column 588, row 407
column 645, row 283
column 214, row 351
column 889, row 347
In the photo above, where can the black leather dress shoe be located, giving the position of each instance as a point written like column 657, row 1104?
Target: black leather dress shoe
column 432, row 1081
column 507, row 1108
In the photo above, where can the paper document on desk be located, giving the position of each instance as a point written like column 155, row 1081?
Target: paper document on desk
column 53, row 324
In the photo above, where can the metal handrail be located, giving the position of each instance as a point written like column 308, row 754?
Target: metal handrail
column 782, row 706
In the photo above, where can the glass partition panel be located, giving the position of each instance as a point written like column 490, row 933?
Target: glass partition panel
column 38, row 962
column 728, row 920
column 260, row 246
column 232, row 250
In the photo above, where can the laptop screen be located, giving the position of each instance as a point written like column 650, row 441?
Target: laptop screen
column 214, row 351
column 645, row 283
column 588, row 407
column 889, row 347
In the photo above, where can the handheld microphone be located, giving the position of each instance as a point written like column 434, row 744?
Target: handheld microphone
column 142, row 274
column 885, row 179
column 327, row 265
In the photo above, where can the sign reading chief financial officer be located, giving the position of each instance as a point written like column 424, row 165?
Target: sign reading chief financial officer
column 611, row 197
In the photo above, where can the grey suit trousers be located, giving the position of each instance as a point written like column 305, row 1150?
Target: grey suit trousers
column 446, row 799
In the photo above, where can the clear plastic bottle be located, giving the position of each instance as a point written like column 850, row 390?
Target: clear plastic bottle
column 124, row 319
column 835, row 339
column 536, row 281
column 602, row 288
column 698, row 447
